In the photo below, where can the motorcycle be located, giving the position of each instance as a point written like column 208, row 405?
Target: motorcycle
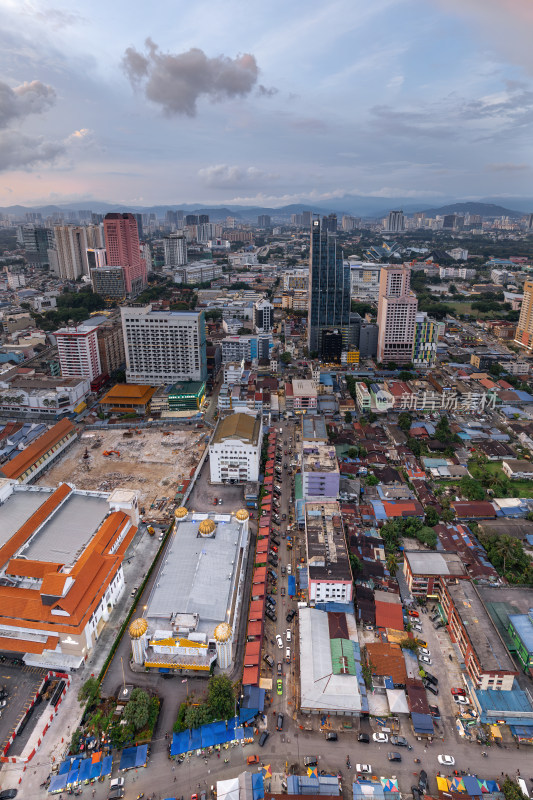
column 416, row 760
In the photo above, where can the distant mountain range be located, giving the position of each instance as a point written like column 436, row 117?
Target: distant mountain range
column 357, row 205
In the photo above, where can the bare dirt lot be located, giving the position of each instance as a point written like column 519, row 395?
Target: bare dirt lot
column 154, row 463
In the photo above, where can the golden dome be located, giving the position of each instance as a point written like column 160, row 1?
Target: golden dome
column 138, row 628
column 242, row 514
column 207, row 527
column 180, row 512
column 222, row 632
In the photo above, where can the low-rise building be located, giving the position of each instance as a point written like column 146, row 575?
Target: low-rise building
column 320, row 471
column 61, row 553
column 328, row 563
column 300, row 396
column 521, row 632
column 426, row 571
column 235, row 449
column 27, row 391
column 362, row 395
column 30, row 463
column 124, row 398
column 517, row 468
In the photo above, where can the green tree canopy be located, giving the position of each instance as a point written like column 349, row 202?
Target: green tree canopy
column 220, row 697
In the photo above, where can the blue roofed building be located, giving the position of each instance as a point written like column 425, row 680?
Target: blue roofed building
column 521, row 632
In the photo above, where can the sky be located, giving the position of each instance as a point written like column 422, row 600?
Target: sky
column 264, row 103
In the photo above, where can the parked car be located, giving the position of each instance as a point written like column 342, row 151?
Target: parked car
column 279, row 722
column 279, row 686
column 424, row 651
column 288, row 655
column 431, row 678
column 460, row 699
column 364, row 769
column 364, row 738
column 423, row 781
column 270, row 615
column 269, row 660
column 280, row 668
column 252, row 760
column 421, row 643
column 416, row 793
column 310, row 761
column 394, row 756
column 279, row 641
column 290, row 616
column 331, row 736
column 413, row 613
column 289, row 569
column 431, row 688
column 399, row 741
column 434, row 711
column 381, row 738
column 288, row 635
column 425, row 659
column 457, row 690
column 417, row 627
column 262, row 739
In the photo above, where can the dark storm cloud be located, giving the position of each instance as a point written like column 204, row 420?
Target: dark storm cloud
column 19, row 151
column 28, row 98
column 176, row 81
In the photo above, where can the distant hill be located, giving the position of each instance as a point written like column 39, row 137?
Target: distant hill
column 484, row 209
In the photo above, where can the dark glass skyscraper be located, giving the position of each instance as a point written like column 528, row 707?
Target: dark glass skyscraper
column 329, row 287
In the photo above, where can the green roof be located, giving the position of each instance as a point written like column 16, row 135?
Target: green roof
column 342, row 657
column 298, row 486
column 195, row 388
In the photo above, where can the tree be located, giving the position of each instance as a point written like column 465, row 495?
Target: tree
column 404, row 421
column 195, row 716
column 471, row 489
column 286, row 357
column 409, row 644
column 355, row 564
column 511, row 790
column 89, row 692
column 137, row 710
column 392, row 563
column 432, row 518
column 371, row 480
column 348, row 417
column 353, row 452
column 220, row 697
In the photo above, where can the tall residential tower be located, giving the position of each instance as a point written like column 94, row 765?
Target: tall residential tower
column 123, row 250
column 397, row 307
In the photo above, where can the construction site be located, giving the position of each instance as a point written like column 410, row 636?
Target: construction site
column 158, row 463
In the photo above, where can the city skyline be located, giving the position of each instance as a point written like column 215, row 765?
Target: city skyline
column 307, row 102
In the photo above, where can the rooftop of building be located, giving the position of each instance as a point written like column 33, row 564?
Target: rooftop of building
column 424, row 562
column 489, row 649
column 319, row 457
column 192, row 388
column 238, row 426
column 132, row 393
column 34, row 451
column 27, row 381
column 198, row 573
column 314, row 428
column 518, row 464
column 327, row 553
column 303, row 388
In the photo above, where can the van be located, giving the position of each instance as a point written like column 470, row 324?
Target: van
column 116, row 783
column 302, row 605
column 431, row 678
column 523, row 786
column 269, row 660
column 310, row 761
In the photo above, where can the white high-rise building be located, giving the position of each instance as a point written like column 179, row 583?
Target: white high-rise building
column 397, row 307
column 263, row 316
column 395, row 222
column 71, row 245
column 78, row 352
column 163, row 347
column 175, row 247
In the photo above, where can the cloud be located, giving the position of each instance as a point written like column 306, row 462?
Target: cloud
column 56, row 18
column 263, row 91
column 18, row 151
column 223, row 176
column 23, row 100
column 509, row 167
column 79, row 136
column 176, row 81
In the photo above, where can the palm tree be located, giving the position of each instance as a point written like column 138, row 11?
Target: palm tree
column 505, row 547
column 392, row 563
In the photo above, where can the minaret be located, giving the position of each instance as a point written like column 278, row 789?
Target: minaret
column 224, row 639
column 137, row 631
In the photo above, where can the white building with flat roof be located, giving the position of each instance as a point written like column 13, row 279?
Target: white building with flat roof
column 235, row 449
column 77, row 349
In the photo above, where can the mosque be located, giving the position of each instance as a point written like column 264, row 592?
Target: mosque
column 193, row 611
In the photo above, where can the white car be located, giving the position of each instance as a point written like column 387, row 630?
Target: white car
column 279, row 641
column 463, row 701
column 424, row 651
column 446, row 761
column 289, row 636
column 425, row 659
column 364, row 769
column 289, row 569
column 381, row 738
column 417, row 627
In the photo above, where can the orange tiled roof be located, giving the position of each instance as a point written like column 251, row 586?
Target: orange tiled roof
column 387, row 659
column 27, row 646
column 31, row 569
column 53, row 584
column 133, row 393
column 18, row 465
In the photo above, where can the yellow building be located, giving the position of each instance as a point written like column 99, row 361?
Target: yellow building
column 524, row 330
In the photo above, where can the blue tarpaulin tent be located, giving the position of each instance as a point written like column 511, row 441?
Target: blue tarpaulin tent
column 141, row 755
column 180, row 743
column 246, row 714
column 107, row 765
column 196, row 739
column 208, row 735
column 220, row 732
column 68, row 765
column 291, row 585
column 58, row 783
column 72, row 777
column 422, row 723
column 96, row 770
column 127, row 759
column 472, row 785
column 253, row 697
column 85, row 770
column 258, row 788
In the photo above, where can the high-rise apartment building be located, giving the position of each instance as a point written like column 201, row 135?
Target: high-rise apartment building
column 395, row 222
column 263, row 316
column 397, row 307
column 163, row 346
column 329, row 287
column 524, row 329
column 295, row 279
column 191, row 219
column 425, row 341
column 36, row 242
column 108, row 282
column 364, row 280
column 175, row 247
column 71, row 245
column 96, row 257
column 123, row 250
column 78, row 352
column 264, row 221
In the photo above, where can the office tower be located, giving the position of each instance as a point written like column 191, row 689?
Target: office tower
column 78, row 352
column 97, row 219
column 329, row 287
column 36, row 242
column 139, row 222
column 425, row 341
column 263, row 316
column 397, row 307
column 33, row 216
column 306, row 219
column 85, row 215
column 111, row 347
column 264, row 221
column 175, row 247
column 329, row 223
column 163, row 347
column 331, row 346
column 191, row 219
column 171, row 218
column 449, row 221
column 524, row 329
column 109, row 282
column 395, row 222
column 364, row 336
column 123, row 250
column 203, row 219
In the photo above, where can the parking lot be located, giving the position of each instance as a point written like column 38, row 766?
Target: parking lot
column 21, row 683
